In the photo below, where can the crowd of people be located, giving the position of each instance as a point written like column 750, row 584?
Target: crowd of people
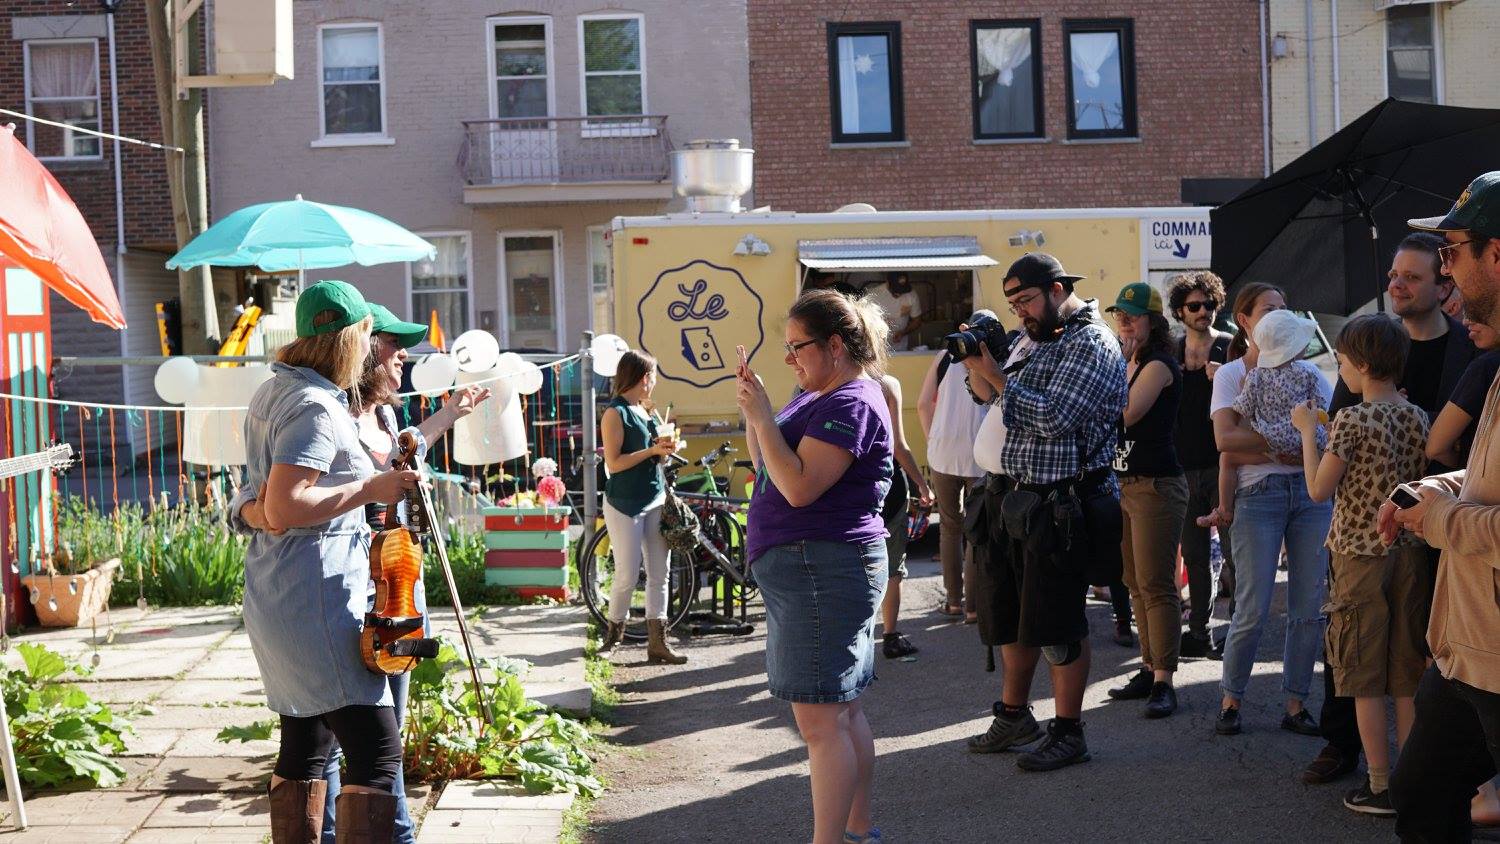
column 1074, row 454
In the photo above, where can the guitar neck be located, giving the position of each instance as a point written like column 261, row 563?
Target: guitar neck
column 54, row 457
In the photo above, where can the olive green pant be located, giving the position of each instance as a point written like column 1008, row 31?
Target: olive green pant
column 1153, row 510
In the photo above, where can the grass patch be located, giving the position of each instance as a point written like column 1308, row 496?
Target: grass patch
column 598, row 671
column 576, row 820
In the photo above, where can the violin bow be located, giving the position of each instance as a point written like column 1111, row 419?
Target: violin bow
column 441, row 545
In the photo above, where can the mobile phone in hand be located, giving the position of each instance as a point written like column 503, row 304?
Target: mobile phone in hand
column 1406, row 496
column 744, row 361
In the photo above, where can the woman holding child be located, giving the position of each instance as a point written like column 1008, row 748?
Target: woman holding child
column 1270, row 508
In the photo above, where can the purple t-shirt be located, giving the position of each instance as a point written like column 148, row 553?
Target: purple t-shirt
column 854, row 418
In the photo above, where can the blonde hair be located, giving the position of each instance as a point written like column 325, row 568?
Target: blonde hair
column 335, row 355
column 857, row 321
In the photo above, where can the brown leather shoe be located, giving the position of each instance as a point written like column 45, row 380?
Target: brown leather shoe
column 297, row 811
column 658, row 650
column 364, row 817
column 1331, row 764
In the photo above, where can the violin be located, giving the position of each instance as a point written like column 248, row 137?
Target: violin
column 392, row 640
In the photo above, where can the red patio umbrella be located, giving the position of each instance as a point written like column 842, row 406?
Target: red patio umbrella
column 42, row 230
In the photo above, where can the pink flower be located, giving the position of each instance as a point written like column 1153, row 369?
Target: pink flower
column 551, row 490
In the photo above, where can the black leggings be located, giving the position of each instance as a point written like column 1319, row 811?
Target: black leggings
column 368, row 734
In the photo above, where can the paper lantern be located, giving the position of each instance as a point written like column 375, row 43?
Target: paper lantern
column 496, row 430
column 217, row 437
column 177, row 379
column 607, row 350
column 433, row 375
column 475, row 351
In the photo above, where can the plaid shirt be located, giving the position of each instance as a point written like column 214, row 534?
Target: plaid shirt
column 1065, row 403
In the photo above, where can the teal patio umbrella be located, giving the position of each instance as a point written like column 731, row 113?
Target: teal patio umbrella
column 301, row 235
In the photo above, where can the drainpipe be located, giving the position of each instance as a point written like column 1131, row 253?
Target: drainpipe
column 1312, row 100
column 109, row 7
column 1265, row 96
column 1333, row 39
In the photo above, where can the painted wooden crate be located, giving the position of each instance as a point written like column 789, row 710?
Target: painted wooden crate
column 526, row 550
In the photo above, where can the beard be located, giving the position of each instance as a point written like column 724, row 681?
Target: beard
column 1045, row 329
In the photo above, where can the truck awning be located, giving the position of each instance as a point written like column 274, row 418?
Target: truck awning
column 957, row 252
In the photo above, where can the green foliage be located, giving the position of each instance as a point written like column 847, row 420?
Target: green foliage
column 185, row 554
column 61, row 735
column 259, row 731
column 466, row 556
column 545, row 751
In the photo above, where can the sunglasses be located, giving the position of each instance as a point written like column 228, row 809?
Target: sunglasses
column 1445, row 252
column 1195, row 307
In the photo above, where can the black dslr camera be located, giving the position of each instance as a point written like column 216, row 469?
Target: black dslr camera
column 985, row 330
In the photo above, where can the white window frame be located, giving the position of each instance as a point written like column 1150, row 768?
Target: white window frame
column 603, row 229
column 354, row 139
column 1437, row 55
column 469, row 274
column 558, row 281
column 98, row 94
column 494, row 73
column 601, row 129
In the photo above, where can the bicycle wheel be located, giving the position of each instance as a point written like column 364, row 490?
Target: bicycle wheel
column 596, row 571
column 728, row 536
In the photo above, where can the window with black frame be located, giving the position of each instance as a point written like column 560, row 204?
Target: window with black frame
column 1411, row 51
column 1100, row 55
column 864, row 81
column 1006, row 67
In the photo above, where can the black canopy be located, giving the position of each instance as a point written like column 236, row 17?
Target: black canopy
column 1308, row 227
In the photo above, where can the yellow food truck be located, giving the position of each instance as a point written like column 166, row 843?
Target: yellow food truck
column 690, row 287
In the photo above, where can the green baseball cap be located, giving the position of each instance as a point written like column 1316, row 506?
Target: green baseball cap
column 407, row 334
column 1138, row 298
column 338, row 296
column 1477, row 210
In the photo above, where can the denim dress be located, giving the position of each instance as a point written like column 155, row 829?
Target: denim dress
column 306, row 590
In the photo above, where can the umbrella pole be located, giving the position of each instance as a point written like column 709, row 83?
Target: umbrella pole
column 1375, row 262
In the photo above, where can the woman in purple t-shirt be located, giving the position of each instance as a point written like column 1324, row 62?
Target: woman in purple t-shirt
column 817, row 543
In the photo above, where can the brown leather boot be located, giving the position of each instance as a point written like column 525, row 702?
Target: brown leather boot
column 613, row 633
column 657, row 649
column 363, row 817
column 297, row 811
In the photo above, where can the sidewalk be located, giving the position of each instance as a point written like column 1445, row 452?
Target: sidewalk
column 194, row 667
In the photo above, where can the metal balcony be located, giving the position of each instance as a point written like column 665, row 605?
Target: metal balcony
column 527, row 160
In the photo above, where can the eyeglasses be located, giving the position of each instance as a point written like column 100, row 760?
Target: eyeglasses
column 1022, row 304
column 1445, row 252
column 1195, row 307
column 791, row 348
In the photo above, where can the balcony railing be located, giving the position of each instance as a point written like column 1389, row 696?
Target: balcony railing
column 565, row 150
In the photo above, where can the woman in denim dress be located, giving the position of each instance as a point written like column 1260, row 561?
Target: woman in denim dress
column 307, row 575
column 817, row 542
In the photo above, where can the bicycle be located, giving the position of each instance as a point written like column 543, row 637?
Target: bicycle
column 719, row 555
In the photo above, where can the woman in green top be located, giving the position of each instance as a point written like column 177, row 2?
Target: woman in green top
column 633, row 499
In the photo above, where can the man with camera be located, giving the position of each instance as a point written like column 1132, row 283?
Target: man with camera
column 1059, row 406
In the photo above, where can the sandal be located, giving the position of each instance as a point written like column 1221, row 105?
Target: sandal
column 871, row 837
column 971, row 618
column 950, row 610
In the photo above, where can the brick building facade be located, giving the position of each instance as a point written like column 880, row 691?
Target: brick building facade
column 1192, row 69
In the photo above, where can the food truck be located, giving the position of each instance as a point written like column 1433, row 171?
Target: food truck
column 689, row 287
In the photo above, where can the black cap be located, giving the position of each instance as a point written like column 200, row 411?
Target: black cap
column 1038, row 269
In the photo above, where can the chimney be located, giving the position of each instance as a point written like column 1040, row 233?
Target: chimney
column 713, row 175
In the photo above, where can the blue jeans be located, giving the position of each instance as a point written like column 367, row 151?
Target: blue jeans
column 404, row 832
column 1266, row 514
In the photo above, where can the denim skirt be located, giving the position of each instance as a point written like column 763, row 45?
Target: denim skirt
column 821, row 599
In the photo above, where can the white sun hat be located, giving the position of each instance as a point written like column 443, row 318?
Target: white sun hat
column 1282, row 336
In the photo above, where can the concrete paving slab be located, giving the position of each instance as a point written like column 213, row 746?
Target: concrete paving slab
column 211, row 774
column 118, row 663
column 466, row 826
column 212, row 810
column 569, row 697
column 201, row 835
column 113, row 806
column 218, row 691
column 193, row 615
column 203, row 743
column 225, row 664
column 126, row 691
column 188, row 716
column 173, row 636
column 489, row 794
column 151, row 742
column 68, row 835
column 237, row 641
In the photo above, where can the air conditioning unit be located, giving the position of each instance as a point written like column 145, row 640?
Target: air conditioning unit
column 253, row 38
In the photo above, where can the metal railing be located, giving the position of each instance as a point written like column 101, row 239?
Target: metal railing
column 553, row 150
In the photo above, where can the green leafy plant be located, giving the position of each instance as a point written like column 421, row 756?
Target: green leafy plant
column 61, row 734
column 258, row 731
column 543, row 750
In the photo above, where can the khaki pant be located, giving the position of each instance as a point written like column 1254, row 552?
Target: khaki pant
column 1377, row 618
column 958, row 561
column 1153, row 511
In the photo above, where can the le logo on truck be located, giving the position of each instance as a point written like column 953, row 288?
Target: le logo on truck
column 693, row 316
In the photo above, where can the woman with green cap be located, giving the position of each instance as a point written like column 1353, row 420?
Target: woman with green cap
column 307, row 574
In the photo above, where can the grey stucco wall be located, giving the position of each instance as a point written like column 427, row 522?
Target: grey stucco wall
column 436, row 75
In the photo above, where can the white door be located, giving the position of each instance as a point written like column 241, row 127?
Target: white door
column 521, row 87
column 530, row 278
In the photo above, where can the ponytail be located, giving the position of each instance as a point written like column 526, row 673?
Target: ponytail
column 858, row 322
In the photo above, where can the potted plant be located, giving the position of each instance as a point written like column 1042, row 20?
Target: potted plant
column 65, row 594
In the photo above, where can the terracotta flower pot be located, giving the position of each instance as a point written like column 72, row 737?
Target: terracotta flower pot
column 71, row 600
